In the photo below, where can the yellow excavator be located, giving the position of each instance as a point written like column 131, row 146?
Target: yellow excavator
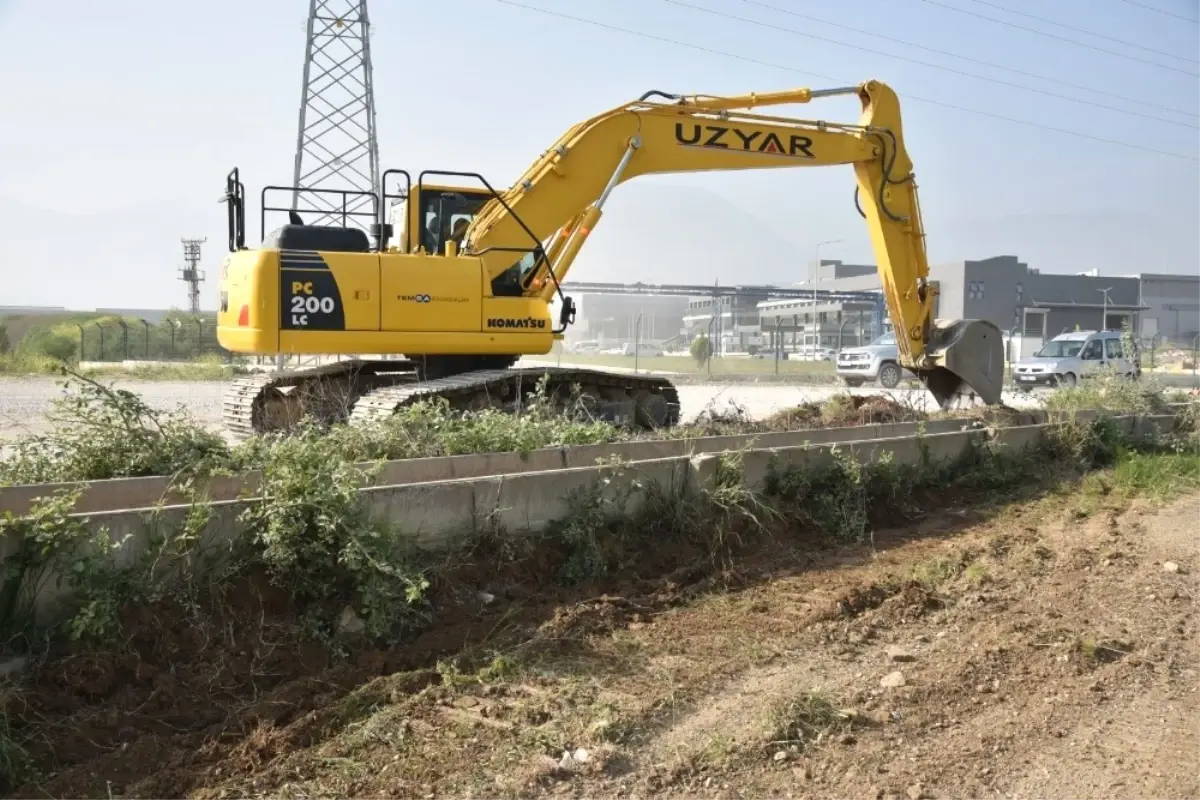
column 465, row 287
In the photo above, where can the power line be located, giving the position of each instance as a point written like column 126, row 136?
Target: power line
column 1008, row 10
column 968, row 58
column 931, row 65
column 1160, row 11
column 1061, row 38
column 785, row 68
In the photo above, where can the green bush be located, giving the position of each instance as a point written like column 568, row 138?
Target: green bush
column 1110, row 391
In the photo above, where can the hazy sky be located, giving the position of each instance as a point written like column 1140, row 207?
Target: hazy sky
column 122, row 117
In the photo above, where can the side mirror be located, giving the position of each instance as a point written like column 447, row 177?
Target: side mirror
column 566, row 315
column 381, row 232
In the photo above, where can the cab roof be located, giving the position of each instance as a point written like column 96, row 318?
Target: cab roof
column 1079, row 336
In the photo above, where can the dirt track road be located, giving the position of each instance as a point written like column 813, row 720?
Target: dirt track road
column 1048, row 650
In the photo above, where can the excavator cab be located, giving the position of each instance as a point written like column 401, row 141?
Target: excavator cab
column 426, row 217
column 441, row 211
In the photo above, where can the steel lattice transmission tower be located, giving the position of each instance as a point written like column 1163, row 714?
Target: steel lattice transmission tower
column 191, row 274
column 336, row 146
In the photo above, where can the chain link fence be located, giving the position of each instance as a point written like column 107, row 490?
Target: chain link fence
column 172, row 339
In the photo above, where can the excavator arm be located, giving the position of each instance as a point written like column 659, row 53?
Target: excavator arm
column 555, row 205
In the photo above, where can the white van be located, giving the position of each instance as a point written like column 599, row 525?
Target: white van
column 1069, row 357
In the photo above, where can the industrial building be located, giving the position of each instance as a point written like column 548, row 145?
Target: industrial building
column 790, row 324
column 1170, row 308
column 1027, row 305
column 732, row 322
column 612, row 320
column 1030, row 306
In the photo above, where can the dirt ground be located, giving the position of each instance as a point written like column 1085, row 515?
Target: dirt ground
column 1047, row 649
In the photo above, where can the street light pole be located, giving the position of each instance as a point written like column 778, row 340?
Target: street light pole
column 816, row 278
column 1104, row 319
column 637, row 342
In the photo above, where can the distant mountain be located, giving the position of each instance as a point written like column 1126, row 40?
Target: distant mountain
column 657, row 233
column 1115, row 243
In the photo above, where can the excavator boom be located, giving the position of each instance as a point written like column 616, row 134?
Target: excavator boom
column 556, row 204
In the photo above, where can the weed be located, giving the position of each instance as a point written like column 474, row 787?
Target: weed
column 935, row 572
column 1112, row 392
column 1094, row 652
column 14, row 760
column 311, row 530
column 432, row 429
column 51, row 546
column 1084, row 444
column 593, row 527
column 977, row 574
column 496, row 670
column 1157, row 475
column 800, row 720
column 728, row 502
column 29, row 364
column 830, row 496
column 103, row 432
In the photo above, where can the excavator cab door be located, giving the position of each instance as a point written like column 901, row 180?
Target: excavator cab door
column 440, row 211
column 423, row 291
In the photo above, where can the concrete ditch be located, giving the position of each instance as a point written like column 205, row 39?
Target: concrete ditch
column 437, row 514
column 124, row 493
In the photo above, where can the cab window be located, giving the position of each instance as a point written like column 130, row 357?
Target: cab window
column 1113, row 348
column 1092, row 351
column 443, row 213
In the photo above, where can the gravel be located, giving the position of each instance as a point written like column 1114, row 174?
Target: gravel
column 24, row 402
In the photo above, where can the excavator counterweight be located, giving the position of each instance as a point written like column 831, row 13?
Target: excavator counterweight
column 463, row 289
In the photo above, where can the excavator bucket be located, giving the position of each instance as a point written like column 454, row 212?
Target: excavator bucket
column 969, row 358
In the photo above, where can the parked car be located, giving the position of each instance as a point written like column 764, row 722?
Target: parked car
column 877, row 361
column 1070, row 357
column 643, row 350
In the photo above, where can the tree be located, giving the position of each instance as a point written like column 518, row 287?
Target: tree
column 57, row 345
column 701, row 349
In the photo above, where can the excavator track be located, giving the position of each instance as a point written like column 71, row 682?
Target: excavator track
column 361, row 392
column 256, row 404
column 639, row 401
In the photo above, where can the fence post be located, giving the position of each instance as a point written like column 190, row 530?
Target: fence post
column 124, row 338
column 147, row 348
